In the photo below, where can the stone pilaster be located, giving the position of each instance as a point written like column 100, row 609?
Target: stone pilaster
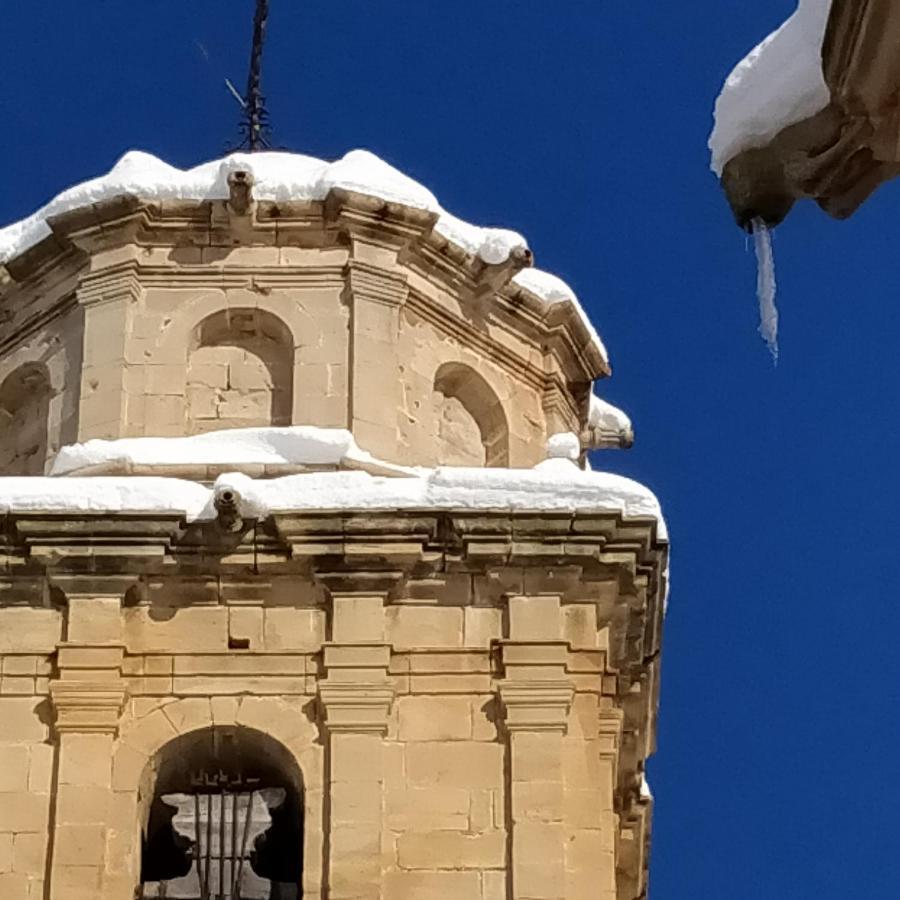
column 88, row 697
column 536, row 696
column 375, row 293
column 355, row 695
column 107, row 297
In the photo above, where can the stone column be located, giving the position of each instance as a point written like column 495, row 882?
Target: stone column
column 536, row 696
column 87, row 699
column 356, row 696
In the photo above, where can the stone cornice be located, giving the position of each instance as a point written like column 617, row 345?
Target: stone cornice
column 186, row 225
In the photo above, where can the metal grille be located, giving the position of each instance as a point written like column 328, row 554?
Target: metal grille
column 221, row 835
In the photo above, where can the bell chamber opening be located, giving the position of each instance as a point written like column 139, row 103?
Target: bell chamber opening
column 223, row 819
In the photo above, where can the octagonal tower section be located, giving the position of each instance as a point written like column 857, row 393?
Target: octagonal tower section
column 172, row 311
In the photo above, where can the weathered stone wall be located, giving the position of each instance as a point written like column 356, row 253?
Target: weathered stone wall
column 459, row 740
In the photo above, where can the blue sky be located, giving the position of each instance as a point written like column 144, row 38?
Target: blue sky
column 583, row 125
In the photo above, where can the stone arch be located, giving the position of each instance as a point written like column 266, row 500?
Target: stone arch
column 280, row 720
column 226, row 808
column 25, row 396
column 240, row 369
column 471, row 422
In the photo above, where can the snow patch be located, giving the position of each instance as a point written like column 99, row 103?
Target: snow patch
column 296, row 444
column 607, row 417
column 564, row 445
column 778, row 84
column 552, row 289
column 82, row 495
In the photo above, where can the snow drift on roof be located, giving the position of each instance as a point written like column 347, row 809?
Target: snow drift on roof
column 777, row 85
column 282, row 177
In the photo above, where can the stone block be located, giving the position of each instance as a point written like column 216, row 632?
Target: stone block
column 86, row 760
column 493, row 886
column 537, row 757
column 23, row 811
column 585, row 808
column 435, row 718
column 23, row 719
column 30, row 853
column 128, row 766
column 455, row 764
column 580, row 625
column 6, row 852
column 17, row 685
column 178, row 630
column 451, row 850
column 40, row 768
column 418, row 627
column 80, row 805
column 14, row 767
column 535, row 618
column 427, row 809
column 76, row 882
column 27, row 630
column 482, row 625
column 355, row 802
column 357, row 619
column 95, row 620
column 432, row 885
column 73, row 844
column 20, row 665
column 245, row 623
column 541, row 801
column 291, row 629
column 14, row 886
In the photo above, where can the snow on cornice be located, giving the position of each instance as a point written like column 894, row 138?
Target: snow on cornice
column 555, row 485
column 282, row 177
column 779, row 84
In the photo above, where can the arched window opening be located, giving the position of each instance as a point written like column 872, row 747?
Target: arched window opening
column 471, row 423
column 240, row 371
column 225, row 821
column 24, row 420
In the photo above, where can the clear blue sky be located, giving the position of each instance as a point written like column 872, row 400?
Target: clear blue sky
column 583, row 125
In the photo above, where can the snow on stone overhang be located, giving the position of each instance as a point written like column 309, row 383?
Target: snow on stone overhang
column 780, row 83
column 293, row 445
column 555, row 485
column 282, row 177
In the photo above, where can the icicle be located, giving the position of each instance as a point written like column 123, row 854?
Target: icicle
column 765, row 286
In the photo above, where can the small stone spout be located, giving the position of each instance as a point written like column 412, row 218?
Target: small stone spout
column 227, row 502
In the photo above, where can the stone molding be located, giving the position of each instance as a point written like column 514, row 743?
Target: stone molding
column 355, row 693
column 88, row 707
column 536, row 705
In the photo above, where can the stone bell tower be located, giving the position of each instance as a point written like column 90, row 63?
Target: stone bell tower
column 306, row 589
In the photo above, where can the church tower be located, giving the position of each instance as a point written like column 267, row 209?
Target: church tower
column 306, row 587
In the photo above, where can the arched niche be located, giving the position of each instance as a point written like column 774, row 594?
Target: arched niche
column 24, row 420
column 222, row 816
column 471, row 422
column 239, row 371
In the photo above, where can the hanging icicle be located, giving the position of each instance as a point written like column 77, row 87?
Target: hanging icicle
column 765, row 286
